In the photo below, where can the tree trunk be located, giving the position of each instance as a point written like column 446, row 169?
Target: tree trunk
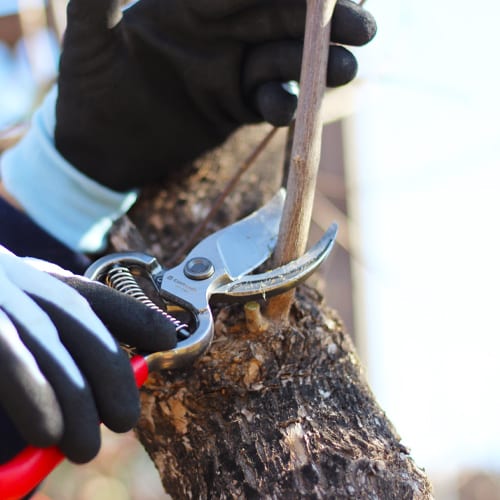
column 284, row 413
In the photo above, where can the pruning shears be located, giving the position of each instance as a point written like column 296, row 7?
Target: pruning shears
column 217, row 268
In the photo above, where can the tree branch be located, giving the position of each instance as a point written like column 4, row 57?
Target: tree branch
column 306, row 147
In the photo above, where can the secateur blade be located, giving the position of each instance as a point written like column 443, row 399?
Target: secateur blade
column 244, row 245
column 224, row 256
column 282, row 278
column 220, row 258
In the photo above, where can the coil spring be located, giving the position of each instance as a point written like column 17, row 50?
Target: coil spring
column 120, row 278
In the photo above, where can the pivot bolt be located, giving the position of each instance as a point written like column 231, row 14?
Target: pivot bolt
column 199, row 268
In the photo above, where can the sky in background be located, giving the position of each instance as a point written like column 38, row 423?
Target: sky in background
column 428, row 182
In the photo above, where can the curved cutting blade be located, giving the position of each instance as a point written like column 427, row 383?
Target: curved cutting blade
column 244, row 245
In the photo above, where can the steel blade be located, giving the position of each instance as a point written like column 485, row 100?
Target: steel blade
column 246, row 244
column 282, row 278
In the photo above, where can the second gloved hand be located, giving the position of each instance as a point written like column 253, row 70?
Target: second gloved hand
column 143, row 94
column 61, row 369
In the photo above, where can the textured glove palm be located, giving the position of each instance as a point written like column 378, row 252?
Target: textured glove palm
column 61, row 371
column 143, row 94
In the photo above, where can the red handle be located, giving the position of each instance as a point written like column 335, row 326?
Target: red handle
column 32, row 465
column 140, row 369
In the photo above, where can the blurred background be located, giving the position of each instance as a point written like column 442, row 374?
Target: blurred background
column 421, row 169
column 411, row 170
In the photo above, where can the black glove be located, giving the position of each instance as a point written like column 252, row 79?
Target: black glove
column 141, row 95
column 61, row 371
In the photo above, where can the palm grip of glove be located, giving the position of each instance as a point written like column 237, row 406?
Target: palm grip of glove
column 69, row 414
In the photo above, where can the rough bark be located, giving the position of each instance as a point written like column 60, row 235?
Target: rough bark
column 284, row 413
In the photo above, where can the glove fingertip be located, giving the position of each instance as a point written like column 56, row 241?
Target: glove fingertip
column 342, row 67
column 370, row 28
column 123, row 408
column 164, row 335
column 129, row 321
column 82, row 453
column 352, row 24
column 275, row 104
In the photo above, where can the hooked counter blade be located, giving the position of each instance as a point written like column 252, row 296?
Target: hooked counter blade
column 282, row 278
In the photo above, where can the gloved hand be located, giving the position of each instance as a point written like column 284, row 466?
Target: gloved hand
column 61, row 371
column 144, row 93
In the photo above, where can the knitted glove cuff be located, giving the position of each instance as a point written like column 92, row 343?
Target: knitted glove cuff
column 70, row 206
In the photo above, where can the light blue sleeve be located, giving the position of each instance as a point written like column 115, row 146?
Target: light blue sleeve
column 70, row 206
